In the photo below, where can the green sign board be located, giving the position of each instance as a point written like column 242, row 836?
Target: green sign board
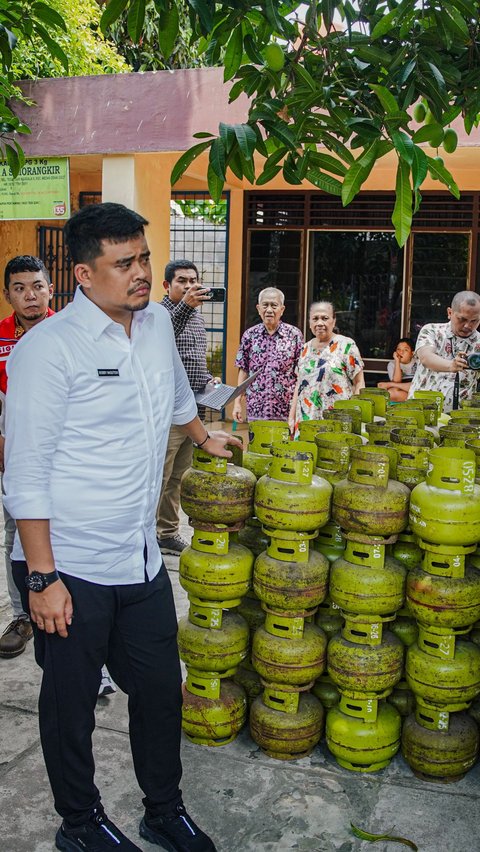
column 41, row 190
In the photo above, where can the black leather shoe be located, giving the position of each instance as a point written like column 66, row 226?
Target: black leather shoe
column 176, row 832
column 99, row 834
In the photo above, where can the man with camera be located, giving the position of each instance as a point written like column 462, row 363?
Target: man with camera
column 444, row 352
column 185, row 293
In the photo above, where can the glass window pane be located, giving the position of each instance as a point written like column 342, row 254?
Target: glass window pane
column 439, row 270
column 362, row 274
column 274, row 261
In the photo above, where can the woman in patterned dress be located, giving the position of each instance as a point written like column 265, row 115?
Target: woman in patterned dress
column 330, row 367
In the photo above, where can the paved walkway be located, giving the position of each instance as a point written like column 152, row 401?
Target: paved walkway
column 245, row 800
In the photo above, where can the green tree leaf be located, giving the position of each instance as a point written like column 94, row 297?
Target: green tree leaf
column 402, row 212
column 246, row 138
column 233, row 54
column 419, row 167
column 169, row 23
column 442, row 174
column 218, row 158
column 373, row 838
column 184, row 161
column 136, row 19
column 48, row 16
column 404, row 145
column 215, row 184
column 386, row 99
column 113, row 10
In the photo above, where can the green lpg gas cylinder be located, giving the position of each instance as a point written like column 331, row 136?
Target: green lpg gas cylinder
column 441, row 755
column 474, row 444
column 329, row 617
column 290, row 496
column 214, row 650
column 326, row 691
column 444, row 599
column 290, row 575
column 214, row 721
column 405, row 627
column 443, row 669
column 252, row 611
column 365, row 668
column 360, row 745
column 413, row 447
column 261, row 435
column 216, row 492
column 365, row 579
column 402, row 698
column 407, row 550
column 345, row 421
column 444, row 508
column 367, row 501
column 379, row 397
column 378, row 433
column 456, row 434
column 333, row 454
column 213, row 569
column 289, row 651
column 253, row 536
column 308, row 429
column 250, row 681
column 330, row 541
column 287, row 736
column 366, row 407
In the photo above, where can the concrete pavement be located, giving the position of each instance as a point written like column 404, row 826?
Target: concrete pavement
column 246, row 801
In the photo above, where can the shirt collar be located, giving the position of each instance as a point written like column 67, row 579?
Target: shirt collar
column 278, row 330
column 96, row 320
column 451, row 334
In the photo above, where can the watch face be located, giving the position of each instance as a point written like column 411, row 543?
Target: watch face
column 35, row 582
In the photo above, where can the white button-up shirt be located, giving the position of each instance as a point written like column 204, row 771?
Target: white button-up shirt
column 88, row 415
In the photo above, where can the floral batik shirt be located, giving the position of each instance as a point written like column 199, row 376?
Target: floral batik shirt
column 446, row 344
column 276, row 355
column 326, row 376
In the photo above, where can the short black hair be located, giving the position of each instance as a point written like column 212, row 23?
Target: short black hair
column 25, row 263
column 115, row 223
column 173, row 265
column 408, row 341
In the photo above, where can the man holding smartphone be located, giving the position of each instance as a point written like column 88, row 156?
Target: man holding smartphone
column 185, row 294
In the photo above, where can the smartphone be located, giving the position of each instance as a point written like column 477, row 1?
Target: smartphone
column 217, row 294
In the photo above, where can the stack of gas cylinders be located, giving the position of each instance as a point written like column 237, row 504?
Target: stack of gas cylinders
column 290, row 579
column 216, row 573
column 335, row 583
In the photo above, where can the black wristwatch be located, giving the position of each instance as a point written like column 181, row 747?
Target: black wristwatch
column 37, row 582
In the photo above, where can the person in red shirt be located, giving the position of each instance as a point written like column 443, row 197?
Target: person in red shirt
column 28, row 290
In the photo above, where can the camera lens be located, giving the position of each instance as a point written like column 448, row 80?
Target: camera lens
column 473, row 361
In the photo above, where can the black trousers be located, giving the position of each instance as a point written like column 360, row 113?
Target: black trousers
column 133, row 630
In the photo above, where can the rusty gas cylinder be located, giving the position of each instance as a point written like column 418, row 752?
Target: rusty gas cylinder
column 216, row 492
column 367, row 501
column 290, row 575
column 441, row 755
column 291, row 496
column 287, row 736
column 289, row 651
column 214, row 721
column 364, row 579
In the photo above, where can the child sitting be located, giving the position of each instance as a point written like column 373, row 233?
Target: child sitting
column 400, row 370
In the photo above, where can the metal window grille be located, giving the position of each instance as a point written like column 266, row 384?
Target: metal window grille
column 53, row 252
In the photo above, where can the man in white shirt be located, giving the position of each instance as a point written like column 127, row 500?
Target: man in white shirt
column 84, row 458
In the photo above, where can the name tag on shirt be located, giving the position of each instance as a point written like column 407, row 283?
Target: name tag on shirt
column 108, row 372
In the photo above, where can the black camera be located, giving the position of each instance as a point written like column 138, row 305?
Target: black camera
column 473, row 361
